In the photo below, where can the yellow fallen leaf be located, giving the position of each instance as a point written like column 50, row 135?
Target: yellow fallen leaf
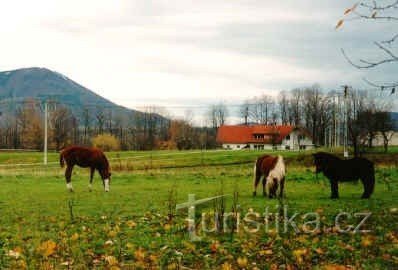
column 367, row 241
column 111, row 260
column 299, row 254
column 74, row 237
column 242, row 262
column 335, row 267
column 266, row 252
column 139, row 254
column 131, row 224
column 47, row 248
column 226, row 266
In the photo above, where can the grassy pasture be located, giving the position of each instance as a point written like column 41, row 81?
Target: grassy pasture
column 134, row 226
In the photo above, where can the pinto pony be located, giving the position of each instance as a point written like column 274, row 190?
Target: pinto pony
column 85, row 157
column 273, row 171
column 336, row 169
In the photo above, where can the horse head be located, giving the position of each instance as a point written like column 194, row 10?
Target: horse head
column 319, row 162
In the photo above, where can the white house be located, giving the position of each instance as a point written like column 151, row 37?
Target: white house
column 262, row 137
column 392, row 139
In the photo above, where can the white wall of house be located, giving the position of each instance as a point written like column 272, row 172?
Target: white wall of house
column 378, row 141
column 233, row 146
column 296, row 141
column 290, row 142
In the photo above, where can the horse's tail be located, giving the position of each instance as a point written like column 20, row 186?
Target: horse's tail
column 61, row 160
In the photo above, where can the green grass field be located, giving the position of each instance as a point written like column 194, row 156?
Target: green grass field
column 135, row 225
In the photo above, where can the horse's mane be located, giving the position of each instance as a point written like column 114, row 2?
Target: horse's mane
column 325, row 156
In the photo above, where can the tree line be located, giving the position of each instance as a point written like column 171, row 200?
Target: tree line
column 327, row 116
column 22, row 127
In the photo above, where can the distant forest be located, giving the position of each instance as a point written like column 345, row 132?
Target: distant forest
column 323, row 114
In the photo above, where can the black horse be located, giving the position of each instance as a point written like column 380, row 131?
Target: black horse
column 336, row 169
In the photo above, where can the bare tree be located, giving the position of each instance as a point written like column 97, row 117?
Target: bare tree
column 376, row 11
column 284, row 107
column 100, row 117
column 217, row 115
column 259, row 111
column 385, row 126
column 295, row 107
column 62, row 126
column 244, row 112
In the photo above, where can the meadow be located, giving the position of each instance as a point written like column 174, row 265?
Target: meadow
column 136, row 226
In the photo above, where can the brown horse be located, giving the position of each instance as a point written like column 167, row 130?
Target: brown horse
column 272, row 169
column 85, row 157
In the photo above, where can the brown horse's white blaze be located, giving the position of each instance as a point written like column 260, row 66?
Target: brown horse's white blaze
column 273, row 171
column 85, row 157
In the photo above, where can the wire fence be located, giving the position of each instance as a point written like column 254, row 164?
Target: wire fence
column 147, row 161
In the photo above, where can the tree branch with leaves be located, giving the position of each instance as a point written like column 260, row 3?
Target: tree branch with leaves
column 375, row 11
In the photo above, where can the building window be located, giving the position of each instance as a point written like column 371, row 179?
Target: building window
column 238, row 146
column 302, row 147
column 287, row 137
column 287, row 147
column 258, row 147
column 258, row 136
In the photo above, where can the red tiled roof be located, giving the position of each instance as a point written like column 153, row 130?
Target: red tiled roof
column 245, row 134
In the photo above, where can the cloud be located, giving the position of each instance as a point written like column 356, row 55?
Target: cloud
column 181, row 51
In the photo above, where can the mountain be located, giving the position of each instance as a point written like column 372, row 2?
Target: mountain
column 44, row 84
column 394, row 117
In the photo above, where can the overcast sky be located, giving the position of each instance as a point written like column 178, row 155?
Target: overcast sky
column 179, row 53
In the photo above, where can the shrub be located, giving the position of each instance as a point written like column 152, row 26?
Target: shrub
column 106, row 142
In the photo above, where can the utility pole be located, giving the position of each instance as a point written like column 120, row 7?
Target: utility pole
column 346, row 121
column 45, row 131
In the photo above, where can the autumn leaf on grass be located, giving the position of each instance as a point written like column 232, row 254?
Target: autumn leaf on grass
column 47, row 248
column 367, row 240
column 189, row 246
column 214, row 246
column 242, row 262
column 131, row 224
column 139, row 254
column 300, row 254
column 226, row 266
column 265, row 252
column 15, row 253
column 74, row 237
column 111, row 260
column 335, row 267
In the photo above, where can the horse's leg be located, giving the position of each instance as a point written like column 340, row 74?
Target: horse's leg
column 264, row 186
column 105, row 180
column 368, row 185
column 90, row 186
column 257, row 177
column 273, row 187
column 282, row 186
column 334, row 188
column 68, row 176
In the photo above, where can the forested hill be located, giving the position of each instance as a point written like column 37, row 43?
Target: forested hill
column 43, row 84
column 394, row 117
